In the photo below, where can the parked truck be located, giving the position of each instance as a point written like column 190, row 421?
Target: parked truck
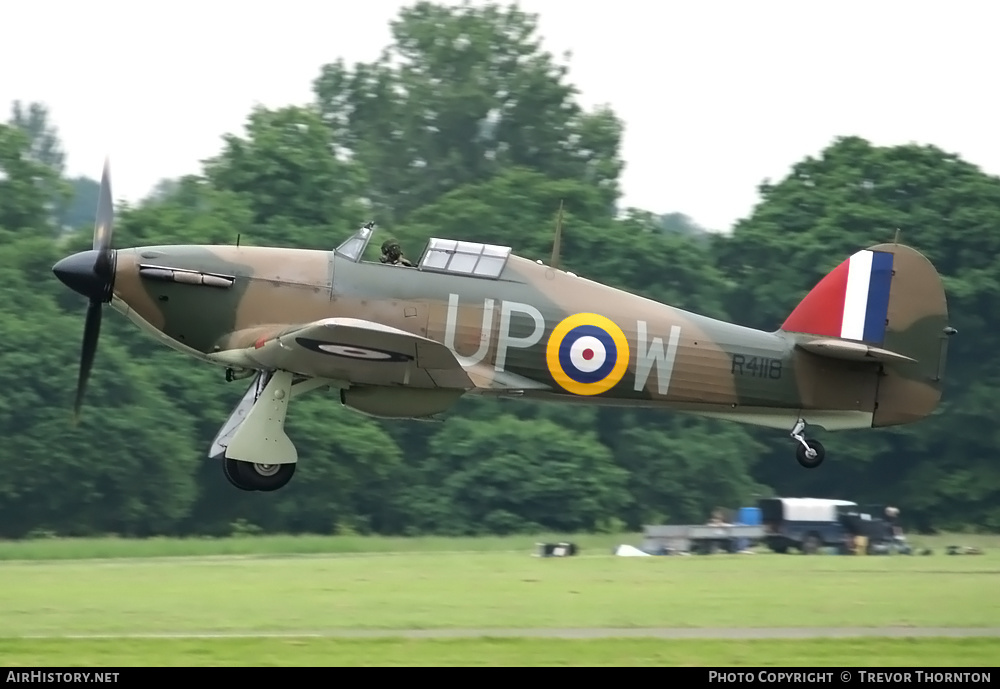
column 806, row 524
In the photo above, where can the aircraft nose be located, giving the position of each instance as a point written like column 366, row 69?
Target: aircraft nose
column 82, row 273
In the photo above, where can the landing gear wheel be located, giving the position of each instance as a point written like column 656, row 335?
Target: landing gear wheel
column 815, row 449
column 230, row 467
column 264, row 477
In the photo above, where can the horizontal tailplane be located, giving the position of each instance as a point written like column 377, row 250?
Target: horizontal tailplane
column 850, row 351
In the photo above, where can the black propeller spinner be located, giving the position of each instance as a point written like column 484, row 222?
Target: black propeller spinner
column 92, row 274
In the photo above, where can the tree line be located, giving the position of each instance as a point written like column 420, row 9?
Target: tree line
column 466, row 128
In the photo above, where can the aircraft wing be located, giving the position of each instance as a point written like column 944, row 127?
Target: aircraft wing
column 352, row 350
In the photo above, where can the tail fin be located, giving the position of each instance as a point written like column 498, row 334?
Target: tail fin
column 884, row 304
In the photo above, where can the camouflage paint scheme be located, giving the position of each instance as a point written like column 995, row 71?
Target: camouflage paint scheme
column 866, row 347
column 666, row 358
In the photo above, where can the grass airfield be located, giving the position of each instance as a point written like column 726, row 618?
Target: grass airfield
column 370, row 601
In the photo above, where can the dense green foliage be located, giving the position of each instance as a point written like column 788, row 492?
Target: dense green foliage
column 467, row 129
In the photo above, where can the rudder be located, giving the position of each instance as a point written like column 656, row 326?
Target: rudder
column 887, row 300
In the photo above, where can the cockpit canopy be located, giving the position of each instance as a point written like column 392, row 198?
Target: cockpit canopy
column 440, row 255
column 355, row 246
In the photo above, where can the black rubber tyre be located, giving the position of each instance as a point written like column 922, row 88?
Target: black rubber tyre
column 230, row 468
column 264, row 477
column 810, row 462
column 811, row 545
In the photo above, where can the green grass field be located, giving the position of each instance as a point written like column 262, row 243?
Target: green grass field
column 876, row 653
column 95, row 548
column 319, row 585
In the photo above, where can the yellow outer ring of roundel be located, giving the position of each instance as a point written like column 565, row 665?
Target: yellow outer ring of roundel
column 556, row 369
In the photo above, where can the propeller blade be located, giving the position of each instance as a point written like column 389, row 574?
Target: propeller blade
column 104, row 223
column 91, row 331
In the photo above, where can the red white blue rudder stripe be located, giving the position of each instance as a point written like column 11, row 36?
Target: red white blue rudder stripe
column 851, row 302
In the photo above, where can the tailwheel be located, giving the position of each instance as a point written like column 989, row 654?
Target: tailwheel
column 262, row 477
column 809, row 452
column 812, row 456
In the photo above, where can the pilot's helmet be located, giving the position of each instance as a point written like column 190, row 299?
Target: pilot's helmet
column 390, row 247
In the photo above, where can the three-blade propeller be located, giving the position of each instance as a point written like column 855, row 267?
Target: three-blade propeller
column 91, row 273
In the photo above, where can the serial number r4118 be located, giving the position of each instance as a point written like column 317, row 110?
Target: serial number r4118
column 756, row 366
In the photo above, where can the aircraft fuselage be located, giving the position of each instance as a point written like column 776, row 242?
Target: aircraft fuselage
column 585, row 341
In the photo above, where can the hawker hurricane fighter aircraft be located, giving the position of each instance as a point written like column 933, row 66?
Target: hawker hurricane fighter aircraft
column 865, row 348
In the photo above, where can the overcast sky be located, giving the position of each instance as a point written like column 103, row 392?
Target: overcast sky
column 716, row 95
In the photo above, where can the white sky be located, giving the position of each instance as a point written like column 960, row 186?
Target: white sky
column 716, row 95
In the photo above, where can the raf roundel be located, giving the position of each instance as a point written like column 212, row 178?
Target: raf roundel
column 352, row 351
column 587, row 354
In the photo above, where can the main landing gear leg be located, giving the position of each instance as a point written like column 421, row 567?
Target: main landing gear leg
column 809, row 453
column 257, row 454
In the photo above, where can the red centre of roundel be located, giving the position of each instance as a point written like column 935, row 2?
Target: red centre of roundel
column 588, row 354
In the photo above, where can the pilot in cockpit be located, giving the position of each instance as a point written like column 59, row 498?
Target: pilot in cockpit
column 392, row 254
